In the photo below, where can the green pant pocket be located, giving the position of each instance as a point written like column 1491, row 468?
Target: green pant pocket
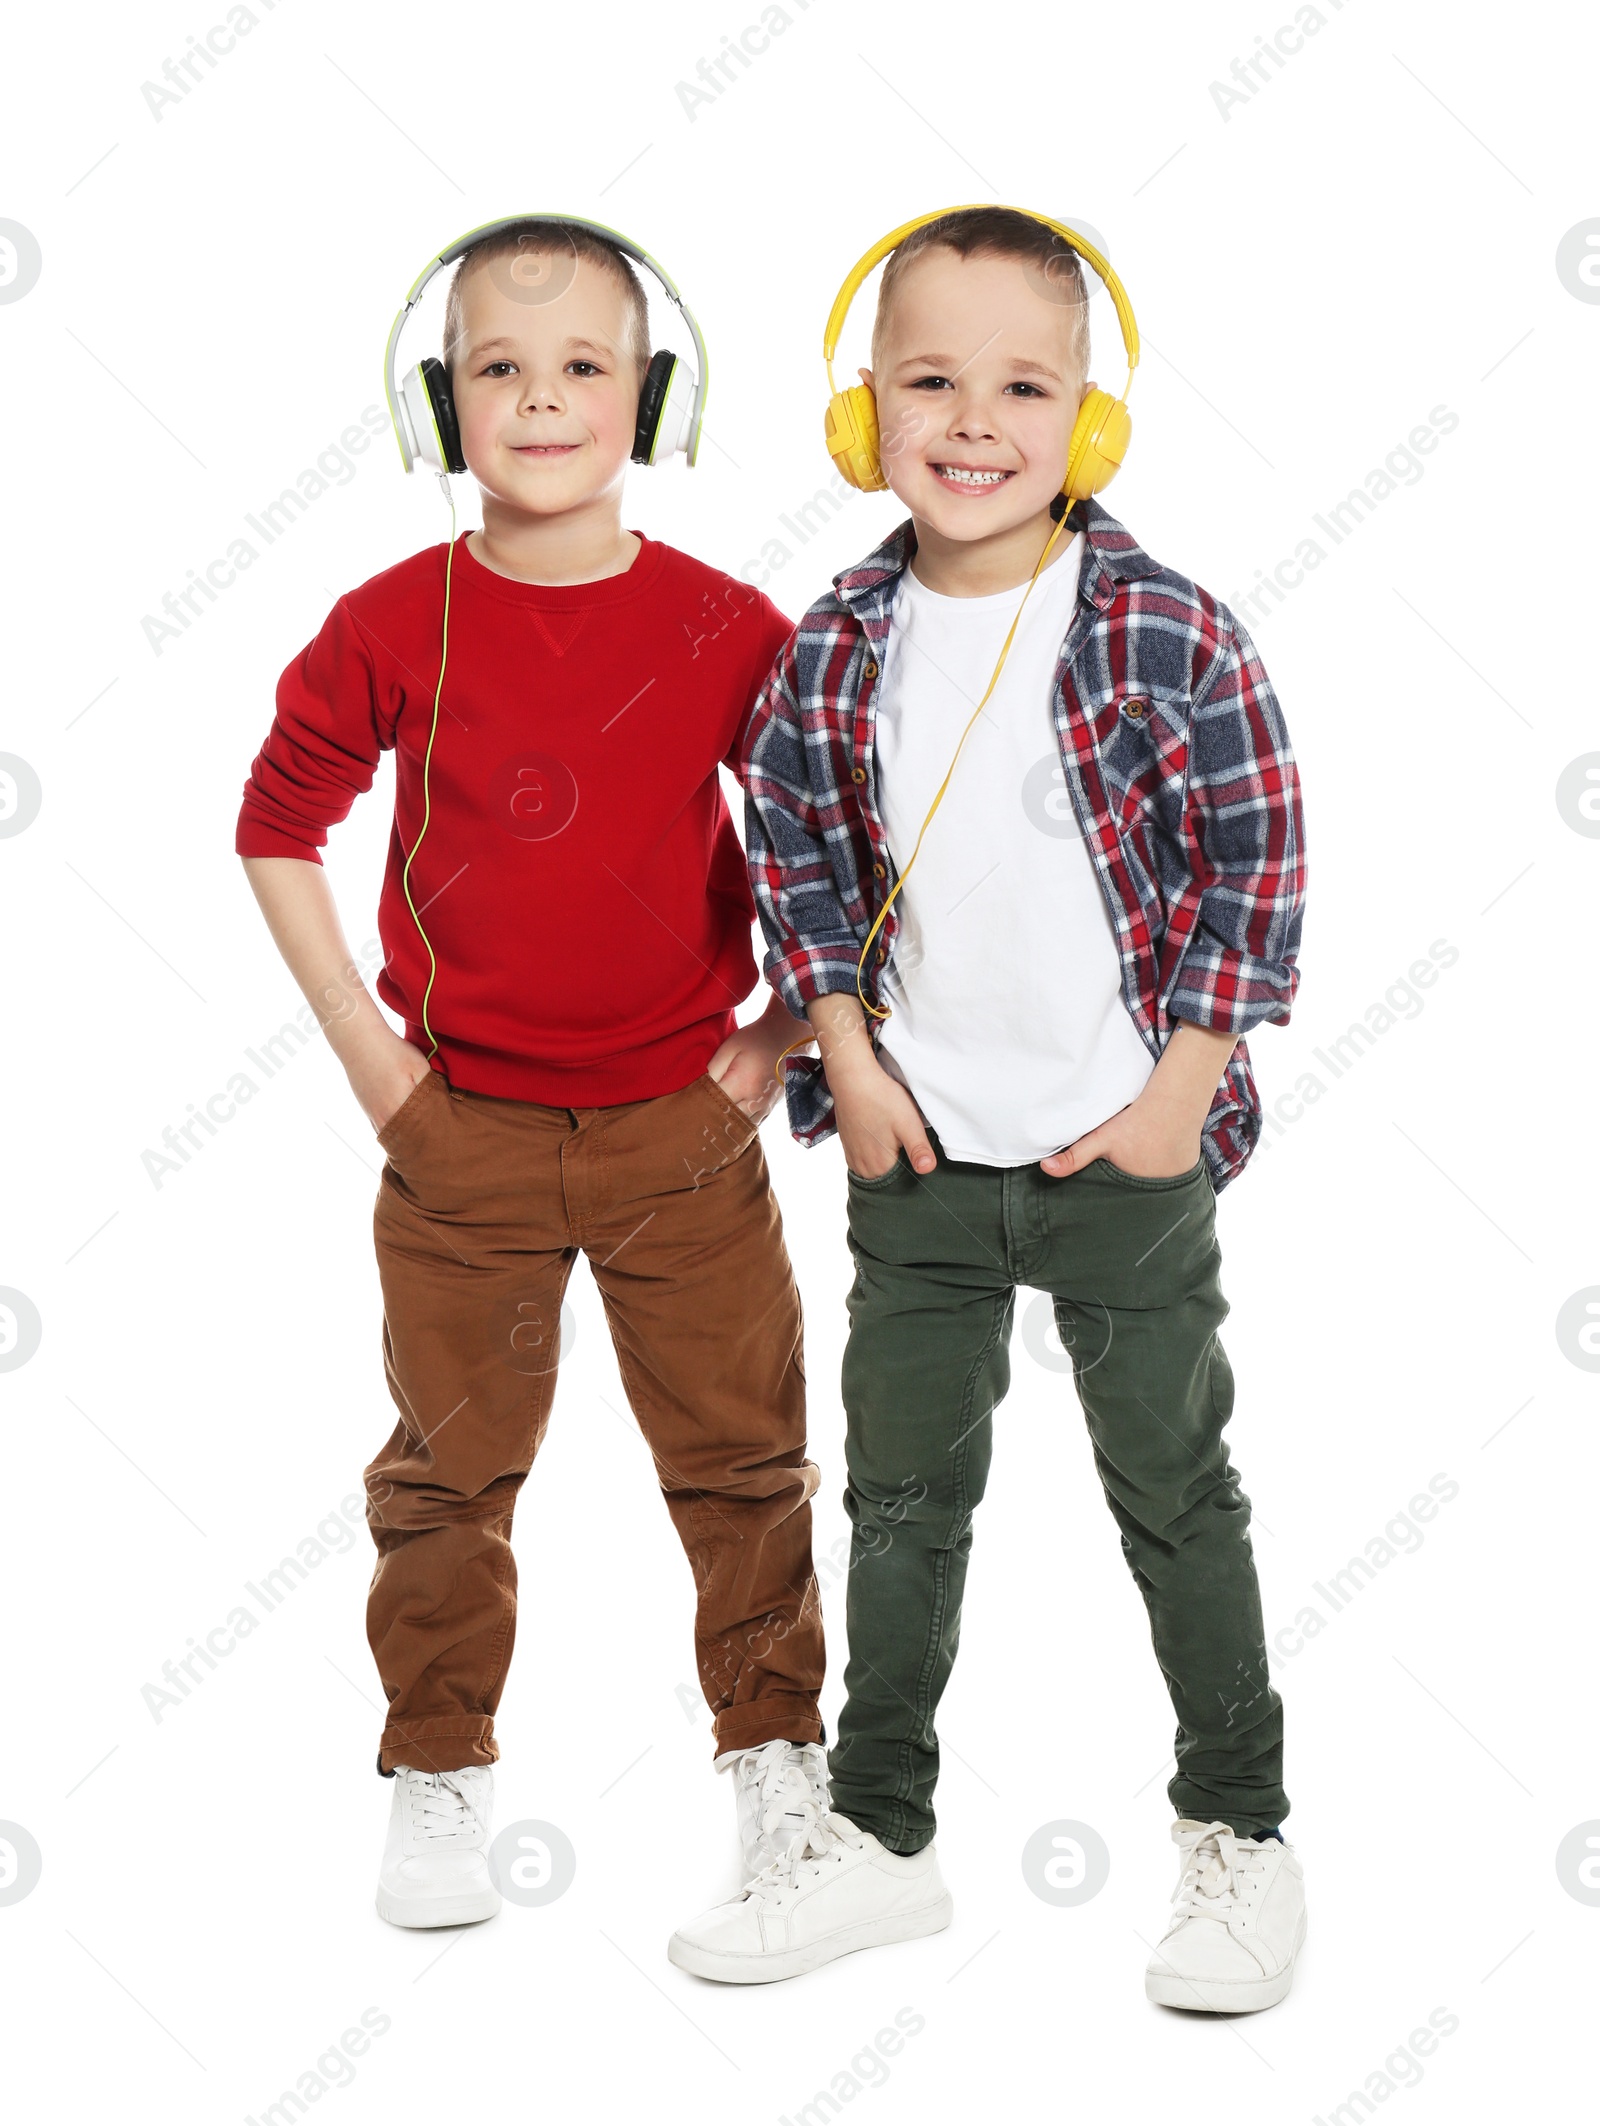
column 1152, row 1181
column 871, row 1181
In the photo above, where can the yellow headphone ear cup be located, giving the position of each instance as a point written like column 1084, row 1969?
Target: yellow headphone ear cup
column 852, row 437
column 1099, row 444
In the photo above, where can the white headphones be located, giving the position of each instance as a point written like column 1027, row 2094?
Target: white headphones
column 671, row 400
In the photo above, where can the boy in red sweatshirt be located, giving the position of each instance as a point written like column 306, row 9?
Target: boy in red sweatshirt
column 566, row 920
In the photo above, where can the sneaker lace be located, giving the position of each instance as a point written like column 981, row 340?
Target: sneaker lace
column 443, row 1804
column 783, row 1791
column 1218, row 1872
column 809, row 1846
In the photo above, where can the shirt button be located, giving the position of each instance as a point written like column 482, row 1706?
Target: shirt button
column 869, row 670
column 858, row 774
column 883, row 952
column 1135, row 709
column 879, row 872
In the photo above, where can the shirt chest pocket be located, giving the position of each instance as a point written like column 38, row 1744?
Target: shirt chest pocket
column 1142, row 743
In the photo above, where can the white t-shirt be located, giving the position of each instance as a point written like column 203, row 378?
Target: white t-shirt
column 1009, row 1026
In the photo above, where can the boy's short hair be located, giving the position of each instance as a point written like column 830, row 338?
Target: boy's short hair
column 559, row 241
column 1054, row 268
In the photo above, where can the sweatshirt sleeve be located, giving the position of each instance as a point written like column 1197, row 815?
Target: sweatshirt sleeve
column 333, row 723
column 772, row 632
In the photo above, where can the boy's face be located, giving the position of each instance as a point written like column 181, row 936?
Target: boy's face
column 546, row 393
column 974, row 377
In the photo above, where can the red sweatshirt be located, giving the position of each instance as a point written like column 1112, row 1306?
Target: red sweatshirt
column 580, row 880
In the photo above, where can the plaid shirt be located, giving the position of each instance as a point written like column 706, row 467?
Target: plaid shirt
column 1175, row 753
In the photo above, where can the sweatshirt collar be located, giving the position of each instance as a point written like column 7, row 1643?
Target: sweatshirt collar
column 563, row 597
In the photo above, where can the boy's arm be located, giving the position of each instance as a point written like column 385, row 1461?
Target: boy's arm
column 1238, row 969
column 813, row 950
column 1244, row 814
column 334, row 720
column 745, row 1064
column 297, row 901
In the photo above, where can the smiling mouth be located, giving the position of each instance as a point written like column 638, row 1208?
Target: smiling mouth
column 543, row 450
column 970, row 479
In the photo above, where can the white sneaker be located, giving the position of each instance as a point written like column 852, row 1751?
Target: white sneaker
column 436, row 1864
column 1238, row 1919
column 835, row 1890
column 774, row 1786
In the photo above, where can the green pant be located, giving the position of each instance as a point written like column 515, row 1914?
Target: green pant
column 1132, row 1266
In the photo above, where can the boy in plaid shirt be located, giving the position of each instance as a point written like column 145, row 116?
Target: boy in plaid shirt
column 1109, row 898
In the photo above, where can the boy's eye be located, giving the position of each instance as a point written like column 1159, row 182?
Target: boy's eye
column 491, row 367
column 943, row 383
column 582, row 368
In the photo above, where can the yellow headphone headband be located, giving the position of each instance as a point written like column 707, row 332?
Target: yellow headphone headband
column 880, row 251
column 1100, row 435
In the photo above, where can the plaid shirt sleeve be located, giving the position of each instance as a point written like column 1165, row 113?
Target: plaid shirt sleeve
column 796, row 833
column 1247, row 846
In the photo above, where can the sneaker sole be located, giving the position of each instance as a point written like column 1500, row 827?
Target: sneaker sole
column 762, row 1969
column 438, row 1911
column 1221, row 1996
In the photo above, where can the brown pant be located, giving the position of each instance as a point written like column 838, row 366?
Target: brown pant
column 483, row 1207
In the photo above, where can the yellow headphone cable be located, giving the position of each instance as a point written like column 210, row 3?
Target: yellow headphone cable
column 884, row 1011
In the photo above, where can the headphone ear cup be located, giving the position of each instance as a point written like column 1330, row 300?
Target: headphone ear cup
column 442, row 400
column 851, row 431
column 1099, row 444
column 655, row 394
column 431, row 411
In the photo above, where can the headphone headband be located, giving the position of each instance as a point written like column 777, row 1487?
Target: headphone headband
column 463, row 244
column 881, row 250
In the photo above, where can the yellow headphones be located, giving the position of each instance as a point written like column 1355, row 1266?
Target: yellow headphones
column 1098, row 445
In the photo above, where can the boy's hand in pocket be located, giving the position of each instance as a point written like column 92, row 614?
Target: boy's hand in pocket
column 876, row 1116
column 383, row 1074
column 746, row 1064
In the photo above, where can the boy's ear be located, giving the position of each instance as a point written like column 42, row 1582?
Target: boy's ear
column 866, row 378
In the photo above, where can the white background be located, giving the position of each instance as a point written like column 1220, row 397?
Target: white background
column 1372, row 235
